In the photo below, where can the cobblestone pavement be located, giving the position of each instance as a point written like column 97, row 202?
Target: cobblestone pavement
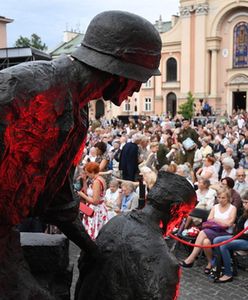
column 194, row 284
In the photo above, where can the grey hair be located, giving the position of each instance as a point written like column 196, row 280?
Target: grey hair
column 228, row 161
column 136, row 137
column 185, row 169
column 128, row 185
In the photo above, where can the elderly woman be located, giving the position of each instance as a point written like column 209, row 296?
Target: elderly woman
column 228, row 168
column 223, row 216
column 112, row 197
column 205, row 200
column 184, row 170
column 239, row 244
column 128, row 199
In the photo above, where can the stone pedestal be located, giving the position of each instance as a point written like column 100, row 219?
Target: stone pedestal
column 16, row 280
column 48, row 258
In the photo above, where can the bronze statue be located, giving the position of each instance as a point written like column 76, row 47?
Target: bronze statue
column 135, row 261
column 44, row 122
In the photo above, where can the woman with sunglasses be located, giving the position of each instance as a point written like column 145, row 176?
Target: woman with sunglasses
column 239, row 244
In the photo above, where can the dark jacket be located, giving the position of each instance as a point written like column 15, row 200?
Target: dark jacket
column 129, row 161
column 189, row 133
column 240, row 227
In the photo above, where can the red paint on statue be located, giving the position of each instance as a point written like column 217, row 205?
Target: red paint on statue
column 178, row 212
column 177, row 291
column 31, row 151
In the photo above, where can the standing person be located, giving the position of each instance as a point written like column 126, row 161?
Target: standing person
column 185, row 133
column 93, row 196
column 129, row 158
column 103, row 157
column 44, row 122
column 239, row 244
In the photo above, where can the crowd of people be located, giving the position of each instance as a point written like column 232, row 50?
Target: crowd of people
column 121, row 161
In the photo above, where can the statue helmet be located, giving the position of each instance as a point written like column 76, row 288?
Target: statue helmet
column 123, row 44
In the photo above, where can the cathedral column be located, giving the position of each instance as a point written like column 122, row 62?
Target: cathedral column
column 200, row 66
column 214, row 71
column 185, row 15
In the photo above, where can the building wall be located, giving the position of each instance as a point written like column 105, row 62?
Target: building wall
column 3, row 33
column 201, row 41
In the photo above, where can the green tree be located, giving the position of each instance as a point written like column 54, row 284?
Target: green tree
column 187, row 108
column 34, row 41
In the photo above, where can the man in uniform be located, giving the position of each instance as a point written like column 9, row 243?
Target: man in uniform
column 188, row 132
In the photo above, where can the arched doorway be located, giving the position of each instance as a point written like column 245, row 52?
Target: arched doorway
column 239, row 100
column 171, row 104
column 100, row 110
column 238, row 87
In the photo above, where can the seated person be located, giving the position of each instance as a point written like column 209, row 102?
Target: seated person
column 235, row 197
column 239, row 244
column 224, row 215
column 128, row 199
column 241, row 185
column 228, row 168
column 208, row 170
column 205, row 200
column 111, row 198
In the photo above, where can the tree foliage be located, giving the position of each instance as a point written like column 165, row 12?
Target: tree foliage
column 187, row 109
column 34, row 41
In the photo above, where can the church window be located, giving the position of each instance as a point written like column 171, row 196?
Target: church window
column 240, row 45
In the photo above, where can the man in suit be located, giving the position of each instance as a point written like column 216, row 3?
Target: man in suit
column 129, row 159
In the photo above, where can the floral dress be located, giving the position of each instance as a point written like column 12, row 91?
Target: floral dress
column 100, row 217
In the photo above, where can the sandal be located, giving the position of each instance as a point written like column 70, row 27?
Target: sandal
column 185, row 265
column 207, row 271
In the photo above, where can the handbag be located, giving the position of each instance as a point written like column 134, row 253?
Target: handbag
column 85, row 209
column 209, row 224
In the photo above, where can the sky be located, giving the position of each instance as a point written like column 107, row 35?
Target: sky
column 50, row 18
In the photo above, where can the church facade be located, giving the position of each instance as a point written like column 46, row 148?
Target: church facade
column 205, row 52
